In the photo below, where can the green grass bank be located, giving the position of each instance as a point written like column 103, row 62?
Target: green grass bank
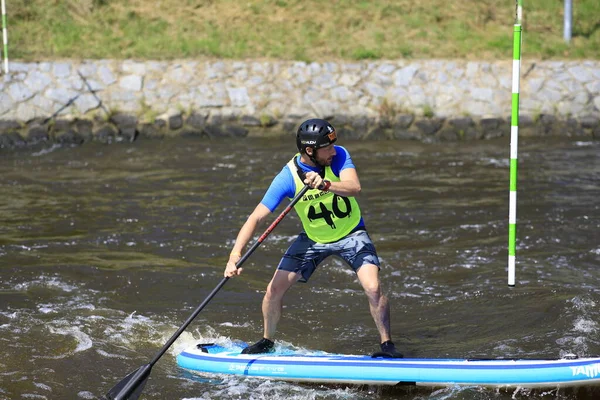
column 305, row 30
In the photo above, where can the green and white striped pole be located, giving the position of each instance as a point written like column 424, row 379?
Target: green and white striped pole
column 5, row 37
column 514, row 139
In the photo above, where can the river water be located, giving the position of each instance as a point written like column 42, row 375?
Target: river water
column 106, row 250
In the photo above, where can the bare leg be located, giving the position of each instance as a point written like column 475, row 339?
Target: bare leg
column 368, row 275
column 273, row 300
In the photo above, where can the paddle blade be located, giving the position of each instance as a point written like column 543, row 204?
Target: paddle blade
column 131, row 386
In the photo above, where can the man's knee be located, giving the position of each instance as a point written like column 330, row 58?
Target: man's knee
column 272, row 292
column 369, row 279
column 276, row 290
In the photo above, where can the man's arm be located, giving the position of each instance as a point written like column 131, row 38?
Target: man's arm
column 348, row 186
column 282, row 186
column 243, row 237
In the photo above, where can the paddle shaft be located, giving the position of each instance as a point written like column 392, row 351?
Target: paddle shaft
column 224, row 280
column 143, row 373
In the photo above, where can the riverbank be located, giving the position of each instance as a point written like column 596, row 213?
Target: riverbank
column 428, row 100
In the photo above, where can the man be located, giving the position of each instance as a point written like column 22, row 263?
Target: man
column 332, row 225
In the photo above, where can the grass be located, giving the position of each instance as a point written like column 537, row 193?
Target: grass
column 306, row 30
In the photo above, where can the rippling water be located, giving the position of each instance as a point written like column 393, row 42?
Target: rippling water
column 106, row 250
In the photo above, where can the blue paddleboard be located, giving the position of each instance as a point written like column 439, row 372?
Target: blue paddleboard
column 357, row 369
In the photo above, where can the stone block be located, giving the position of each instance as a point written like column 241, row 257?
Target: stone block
column 573, row 128
column 60, row 125
column 524, row 121
column 151, row 131
column 9, row 125
column 429, row 126
column 128, row 134
column 448, row 133
column 84, row 127
column 131, row 83
column 403, row 121
column 589, row 122
column 123, row 121
column 38, row 134
column 175, row 122
column 69, row 137
column 462, row 123
column 105, row 134
column 11, row 140
column 197, row 121
column 489, row 124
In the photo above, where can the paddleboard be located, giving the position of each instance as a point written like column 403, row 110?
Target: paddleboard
column 357, row 369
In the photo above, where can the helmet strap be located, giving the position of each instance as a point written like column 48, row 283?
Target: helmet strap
column 312, row 157
column 314, row 161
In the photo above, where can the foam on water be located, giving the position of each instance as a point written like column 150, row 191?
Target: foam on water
column 471, row 259
column 227, row 387
column 43, row 386
column 45, row 281
column 501, row 163
column 232, row 325
column 133, row 329
column 585, row 326
column 83, row 340
column 47, row 150
column 109, row 355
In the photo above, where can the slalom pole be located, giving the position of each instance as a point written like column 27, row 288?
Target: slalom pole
column 5, row 37
column 514, row 138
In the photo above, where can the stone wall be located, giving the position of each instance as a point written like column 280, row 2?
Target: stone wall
column 430, row 100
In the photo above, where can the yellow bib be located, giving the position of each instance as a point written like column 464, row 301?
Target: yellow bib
column 326, row 217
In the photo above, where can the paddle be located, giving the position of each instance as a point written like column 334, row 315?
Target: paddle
column 132, row 385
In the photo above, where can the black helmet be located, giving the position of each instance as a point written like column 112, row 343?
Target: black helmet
column 315, row 133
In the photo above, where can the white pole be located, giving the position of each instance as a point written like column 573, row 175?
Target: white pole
column 568, row 19
column 5, row 37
